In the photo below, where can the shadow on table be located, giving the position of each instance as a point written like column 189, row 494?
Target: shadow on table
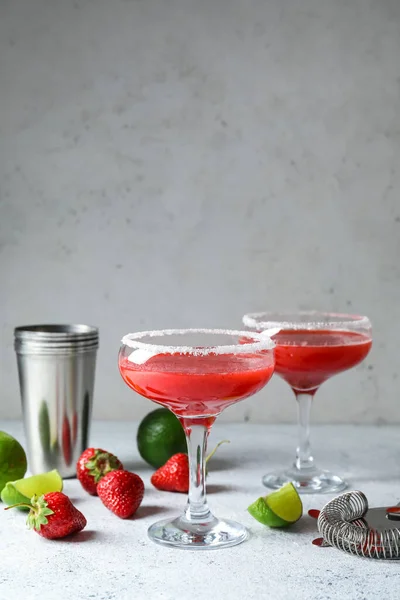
column 82, row 536
column 216, row 488
column 149, row 511
column 222, row 464
column 305, row 525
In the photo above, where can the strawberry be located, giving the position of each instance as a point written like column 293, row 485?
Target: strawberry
column 53, row 515
column 92, row 465
column 121, row 492
column 174, row 475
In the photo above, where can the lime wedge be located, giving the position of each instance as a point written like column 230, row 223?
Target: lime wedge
column 22, row 490
column 279, row 509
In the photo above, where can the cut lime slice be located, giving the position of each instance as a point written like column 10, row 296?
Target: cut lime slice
column 22, row 490
column 279, row 509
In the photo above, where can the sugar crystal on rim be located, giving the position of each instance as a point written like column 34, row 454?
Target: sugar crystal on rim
column 261, row 341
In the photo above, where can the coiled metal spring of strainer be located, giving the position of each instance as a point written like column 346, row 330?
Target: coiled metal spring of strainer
column 342, row 525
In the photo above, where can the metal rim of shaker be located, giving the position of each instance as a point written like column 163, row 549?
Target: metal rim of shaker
column 56, row 343
column 56, row 332
column 52, row 350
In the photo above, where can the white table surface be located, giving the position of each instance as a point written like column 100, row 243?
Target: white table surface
column 114, row 559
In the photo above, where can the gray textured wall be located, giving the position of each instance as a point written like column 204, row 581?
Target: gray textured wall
column 177, row 163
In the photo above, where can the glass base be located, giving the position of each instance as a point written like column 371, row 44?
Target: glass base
column 181, row 533
column 306, row 481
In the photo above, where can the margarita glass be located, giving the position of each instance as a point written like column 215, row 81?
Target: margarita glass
column 310, row 347
column 196, row 373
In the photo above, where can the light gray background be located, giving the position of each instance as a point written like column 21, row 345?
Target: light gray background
column 179, row 162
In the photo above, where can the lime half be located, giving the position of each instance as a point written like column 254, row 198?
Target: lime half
column 279, row 509
column 22, row 490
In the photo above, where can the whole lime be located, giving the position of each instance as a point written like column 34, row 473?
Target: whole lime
column 159, row 436
column 13, row 463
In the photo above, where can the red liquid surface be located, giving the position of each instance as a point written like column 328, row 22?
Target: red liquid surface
column 198, row 385
column 305, row 358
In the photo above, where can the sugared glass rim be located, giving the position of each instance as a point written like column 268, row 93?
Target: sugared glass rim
column 263, row 342
column 260, row 320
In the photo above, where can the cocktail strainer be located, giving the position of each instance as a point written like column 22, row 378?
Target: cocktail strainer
column 347, row 523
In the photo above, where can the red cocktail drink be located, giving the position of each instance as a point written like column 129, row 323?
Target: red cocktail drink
column 306, row 358
column 198, row 386
column 310, row 348
column 196, row 373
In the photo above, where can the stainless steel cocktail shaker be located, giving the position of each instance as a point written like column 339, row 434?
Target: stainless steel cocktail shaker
column 56, row 368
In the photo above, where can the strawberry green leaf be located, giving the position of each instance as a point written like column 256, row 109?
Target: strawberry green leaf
column 38, row 513
column 100, row 464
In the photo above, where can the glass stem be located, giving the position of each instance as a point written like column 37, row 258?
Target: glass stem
column 197, row 510
column 304, row 458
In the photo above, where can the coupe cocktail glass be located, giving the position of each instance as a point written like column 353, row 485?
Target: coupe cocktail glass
column 310, row 347
column 196, row 373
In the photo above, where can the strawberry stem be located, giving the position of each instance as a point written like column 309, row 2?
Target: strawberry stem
column 216, row 448
column 39, row 511
column 26, row 504
column 100, row 464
